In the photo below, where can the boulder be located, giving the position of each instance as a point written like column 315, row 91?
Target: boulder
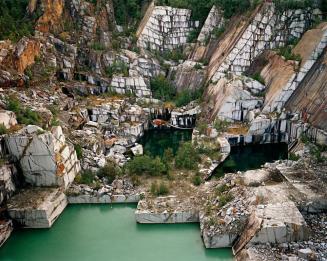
column 46, row 159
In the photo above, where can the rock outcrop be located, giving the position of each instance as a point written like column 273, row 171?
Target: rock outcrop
column 45, row 158
column 167, row 28
column 8, row 182
column 37, row 208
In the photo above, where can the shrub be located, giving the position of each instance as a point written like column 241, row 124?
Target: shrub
column 24, row 116
column 221, row 125
column 3, row 129
column 79, row 151
column 224, row 199
column 288, row 54
column 193, row 35
column 109, row 171
column 196, row 180
column 258, row 78
column 292, row 156
column 168, row 156
column 187, row 157
column 14, row 23
column 146, row 165
column 162, row 89
column 218, row 31
column 159, row 190
column 85, row 177
column 118, row 67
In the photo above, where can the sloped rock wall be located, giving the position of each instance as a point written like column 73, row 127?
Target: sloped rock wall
column 268, row 29
column 166, row 29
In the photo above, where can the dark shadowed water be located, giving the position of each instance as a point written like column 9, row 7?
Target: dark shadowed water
column 251, row 157
column 102, row 232
column 156, row 141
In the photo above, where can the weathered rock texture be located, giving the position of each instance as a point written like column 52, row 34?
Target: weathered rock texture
column 46, row 159
column 267, row 28
column 234, row 98
column 309, row 48
column 8, row 176
column 37, row 208
column 214, row 20
column 166, row 28
column 6, row 228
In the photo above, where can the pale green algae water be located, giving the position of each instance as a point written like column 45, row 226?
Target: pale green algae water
column 109, row 232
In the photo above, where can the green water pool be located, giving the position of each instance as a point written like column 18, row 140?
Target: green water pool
column 156, row 141
column 106, row 232
column 245, row 158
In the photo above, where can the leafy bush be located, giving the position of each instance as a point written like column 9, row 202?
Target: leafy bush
column 196, row 180
column 168, row 156
column 258, row 78
column 118, row 67
column 225, row 198
column 292, row 156
column 287, row 52
column 146, row 165
column 24, row 116
column 109, row 171
column 3, row 129
column 79, row 151
column 85, row 177
column 221, row 125
column 218, row 31
column 283, row 5
column 159, row 190
column 14, row 23
column 187, row 157
column 162, row 89
column 185, row 97
column 193, row 35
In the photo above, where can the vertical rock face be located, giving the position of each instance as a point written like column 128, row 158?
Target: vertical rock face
column 6, row 228
column 268, row 29
column 52, row 12
column 214, row 19
column 7, row 182
column 188, row 76
column 25, row 53
column 132, row 85
column 309, row 48
column 167, row 28
column 46, row 159
column 309, row 99
column 234, row 98
column 8, row 119
column 37, row 208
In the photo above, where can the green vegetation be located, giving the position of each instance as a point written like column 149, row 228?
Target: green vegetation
column 287, row 52
column 224, row 199
column 187, row 157
column 292, row 156
column 159, row 190
column 142, row 165
column 97, row 46
column 218, row 31
column 128, row 11
column 79, row 151
column 110, row 171
column 258, row 78
column 85, row 177
column 118, row 67
column 24, row 115
column 14, row 22
column 221, row 125
column 162, row 89
column 283, row 5
column 196, row 180
column 3, row 129
column 193, row 35
column 185, row 97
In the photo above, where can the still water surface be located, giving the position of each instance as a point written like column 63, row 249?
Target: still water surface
column 105, row 232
